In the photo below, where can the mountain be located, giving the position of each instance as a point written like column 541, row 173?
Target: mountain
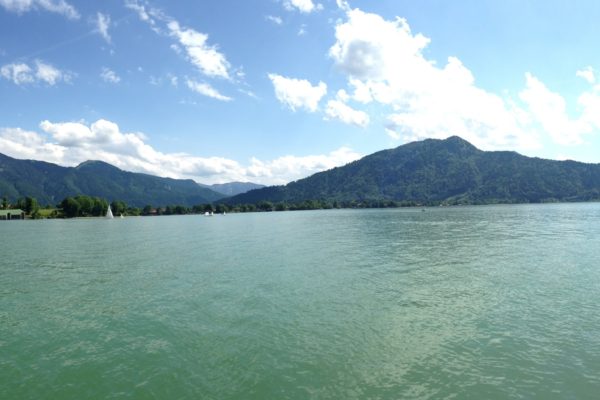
column 50, row 183
column 441, row 171
column 233, row 188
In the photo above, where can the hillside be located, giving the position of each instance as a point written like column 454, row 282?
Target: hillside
column 50, row 183
column 441, row 171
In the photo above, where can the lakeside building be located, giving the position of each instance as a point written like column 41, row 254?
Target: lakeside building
column 12, row 214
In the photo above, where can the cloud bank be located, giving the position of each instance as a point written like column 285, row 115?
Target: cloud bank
column 70, row 143
column 385, row 65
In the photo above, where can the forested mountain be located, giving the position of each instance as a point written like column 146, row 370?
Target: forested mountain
column 441, row 171
column 50, row 183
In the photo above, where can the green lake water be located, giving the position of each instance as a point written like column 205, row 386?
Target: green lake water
column 487, row 302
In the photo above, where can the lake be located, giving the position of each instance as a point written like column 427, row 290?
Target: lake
column 461, row 302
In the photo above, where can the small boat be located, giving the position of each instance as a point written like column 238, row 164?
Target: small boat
column 109, row 214
column 122, row 216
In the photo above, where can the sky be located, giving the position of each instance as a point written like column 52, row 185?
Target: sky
column 271, row 91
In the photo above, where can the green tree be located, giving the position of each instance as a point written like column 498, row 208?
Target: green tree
column 135, row 211
column 86, row 205
column 118, row 207
column 4, row 202
column 70, row 207
column 147, row 210
column 31, row 205
column 221, row 208
column 99, row 207
column 265, row 206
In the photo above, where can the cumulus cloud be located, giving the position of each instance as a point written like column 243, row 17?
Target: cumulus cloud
column 304, row 6
column 70, row 143
column 290, row 168
column 102, row 24
column 384, row 62
column 206, row 90
column 40, row 72
column 588, row 74
column 337, row 109
column 549, row 110
column 298, row 93
column 385, row 65
column 54, row 6
column 109, row 76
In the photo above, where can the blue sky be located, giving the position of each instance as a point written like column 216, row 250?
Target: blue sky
column 274, row 90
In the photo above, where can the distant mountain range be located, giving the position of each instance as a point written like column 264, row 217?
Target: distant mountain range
column 448, row 171
column 50, row 183
column 233, row 188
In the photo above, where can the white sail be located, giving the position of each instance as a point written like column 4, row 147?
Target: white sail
column 109, row 213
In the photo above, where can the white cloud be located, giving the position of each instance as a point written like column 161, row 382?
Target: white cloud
column 102, row 25
column 18, row 73
column 337, row 109
column 109, row 76
column 588, row 74
column 290, row 168
column 140, row 9
column 206, row 90
column 384, row 63
column 21, row 73
column 49, row 74
column 55, row 6
column 298, row 93
column 191, row 44
column 173, row 80
column 205, row 57
column 343, row 4
column 305, row 6
column 302, row 31
column 549, row 110
column 70, row 143
column 147, row 14
column 274, row 19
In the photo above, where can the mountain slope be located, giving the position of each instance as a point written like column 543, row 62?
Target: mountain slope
column 50, row 183
column 436, row 171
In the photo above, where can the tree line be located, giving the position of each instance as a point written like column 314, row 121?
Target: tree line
column 91, row 206
column 28, row 204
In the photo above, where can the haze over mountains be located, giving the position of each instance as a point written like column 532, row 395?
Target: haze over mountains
column 450, row 171
column 233, row 188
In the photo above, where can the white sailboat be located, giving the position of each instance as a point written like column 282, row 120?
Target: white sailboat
column 109, row 213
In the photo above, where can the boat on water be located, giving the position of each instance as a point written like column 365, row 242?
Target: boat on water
column 208, row 214
column 109, row 213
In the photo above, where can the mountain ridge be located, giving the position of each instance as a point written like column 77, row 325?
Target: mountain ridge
column 50, row 183
column 435, row 171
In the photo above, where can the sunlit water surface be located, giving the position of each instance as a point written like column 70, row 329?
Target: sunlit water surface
column 465, row 302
